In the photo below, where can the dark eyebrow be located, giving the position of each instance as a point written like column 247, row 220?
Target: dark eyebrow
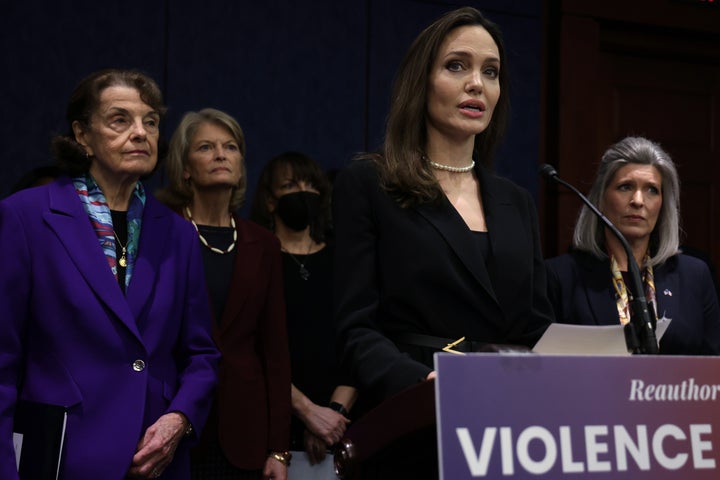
column 457, row 53
column 465, row 54
column 117, row 110
column 125, row 111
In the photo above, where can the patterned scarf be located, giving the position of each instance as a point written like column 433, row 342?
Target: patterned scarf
column 621, row 292
column 98, row 211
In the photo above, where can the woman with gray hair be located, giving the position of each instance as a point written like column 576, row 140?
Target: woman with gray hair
column 638, row 190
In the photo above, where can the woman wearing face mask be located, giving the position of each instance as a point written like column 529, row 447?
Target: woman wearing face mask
column 293, row 200
column 247, row 433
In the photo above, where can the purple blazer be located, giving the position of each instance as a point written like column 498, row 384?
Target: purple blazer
column 118, row 362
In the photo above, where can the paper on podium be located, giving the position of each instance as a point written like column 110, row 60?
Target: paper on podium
column 301, row 469
column 564, row 339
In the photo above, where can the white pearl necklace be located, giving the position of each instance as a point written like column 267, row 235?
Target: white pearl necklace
column 204, row 242
column 450, row 168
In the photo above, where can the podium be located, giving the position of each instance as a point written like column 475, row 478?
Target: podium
column 404, row 414
column 557, row 417
column 543, row 417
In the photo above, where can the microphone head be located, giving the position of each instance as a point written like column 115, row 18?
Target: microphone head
column 548, row 171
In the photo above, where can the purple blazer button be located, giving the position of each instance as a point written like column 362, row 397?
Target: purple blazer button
column 138, row 365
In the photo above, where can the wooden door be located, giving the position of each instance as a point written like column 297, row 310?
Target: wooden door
column 656, row 77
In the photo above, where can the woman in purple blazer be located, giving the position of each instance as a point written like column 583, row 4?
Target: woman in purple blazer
column 103, row 302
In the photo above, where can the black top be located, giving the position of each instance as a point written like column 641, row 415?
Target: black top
column 310, row 329
column 119, row 221
column 484, row 243
column 218, row 268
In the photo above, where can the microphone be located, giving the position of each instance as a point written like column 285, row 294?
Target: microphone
column 549, row 171
column 640, row 331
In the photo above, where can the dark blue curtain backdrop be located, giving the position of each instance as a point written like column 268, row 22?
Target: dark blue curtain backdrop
column 309, row 76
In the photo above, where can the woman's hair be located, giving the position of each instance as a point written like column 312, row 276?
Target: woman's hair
column 589, row 232
column 37, row 176
column 85, row 100
column 403, row 170
column 178, row 192
column 302, row 168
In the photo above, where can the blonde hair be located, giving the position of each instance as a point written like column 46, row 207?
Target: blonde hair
column 178, row 193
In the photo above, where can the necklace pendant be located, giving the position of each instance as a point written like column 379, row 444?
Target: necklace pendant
column 304, row 273
column 123, row 261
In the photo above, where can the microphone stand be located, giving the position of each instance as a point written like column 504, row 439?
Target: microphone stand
column 640, row 331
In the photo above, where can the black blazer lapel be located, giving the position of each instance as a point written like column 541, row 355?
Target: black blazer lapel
column 500, row 217
column 599, row 291
column 450, row 225
column 510, row 234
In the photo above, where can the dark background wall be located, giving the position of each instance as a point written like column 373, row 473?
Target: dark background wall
column 309, row 76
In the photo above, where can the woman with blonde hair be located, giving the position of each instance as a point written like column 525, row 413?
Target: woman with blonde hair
column 248, row 430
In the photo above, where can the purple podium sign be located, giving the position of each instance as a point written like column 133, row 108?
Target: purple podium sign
column 577, row 417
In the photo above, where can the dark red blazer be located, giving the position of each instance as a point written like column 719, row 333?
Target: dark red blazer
column 253, row 399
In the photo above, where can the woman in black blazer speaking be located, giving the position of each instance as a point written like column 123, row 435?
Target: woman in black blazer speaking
column 431, row 246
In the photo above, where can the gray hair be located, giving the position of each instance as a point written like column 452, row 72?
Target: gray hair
column 589, row 232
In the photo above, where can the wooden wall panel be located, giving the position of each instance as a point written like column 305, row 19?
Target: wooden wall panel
column 655, row 75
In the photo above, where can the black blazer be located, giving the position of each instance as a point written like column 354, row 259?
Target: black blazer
column 420, row 270
column 581, row 291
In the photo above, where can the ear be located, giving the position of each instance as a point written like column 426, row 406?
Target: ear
column 271, row 204
column 81, row 137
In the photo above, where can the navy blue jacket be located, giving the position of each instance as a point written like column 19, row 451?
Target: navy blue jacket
column 581, row 291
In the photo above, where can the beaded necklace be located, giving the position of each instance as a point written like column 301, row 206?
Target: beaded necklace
column 204, row 242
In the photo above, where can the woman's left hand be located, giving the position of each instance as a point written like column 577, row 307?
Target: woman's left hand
column 274, row 470
column 314, row 447
column 325, row 423
column 156, row 449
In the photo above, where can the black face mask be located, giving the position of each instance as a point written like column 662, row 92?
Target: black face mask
column 298, row 209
